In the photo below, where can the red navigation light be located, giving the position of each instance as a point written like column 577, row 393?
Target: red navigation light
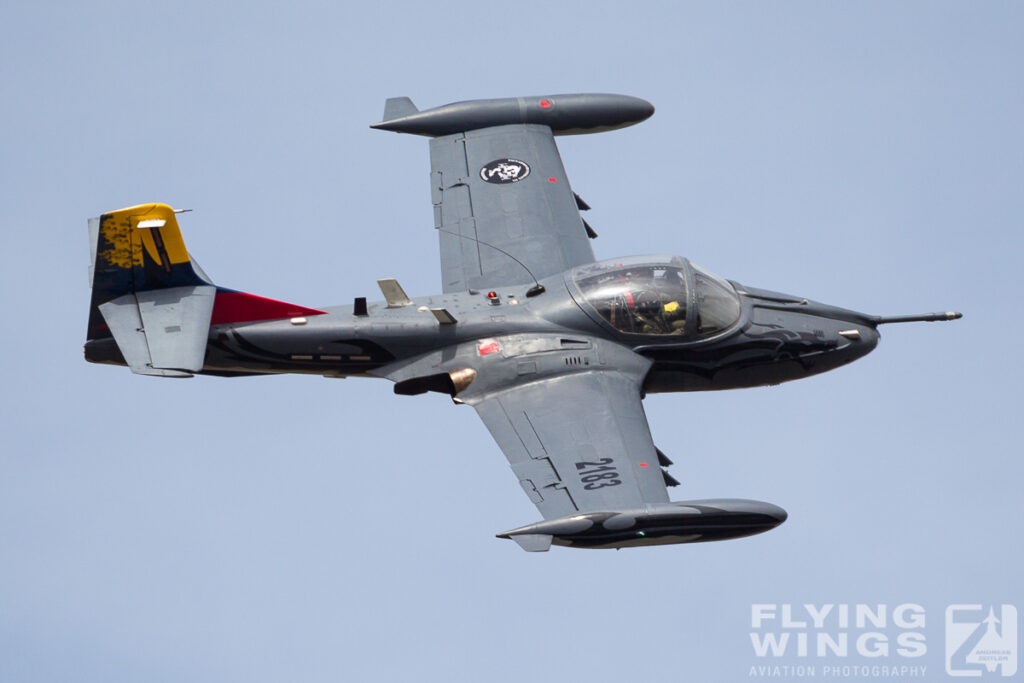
column 545, row 104
column 552, row 180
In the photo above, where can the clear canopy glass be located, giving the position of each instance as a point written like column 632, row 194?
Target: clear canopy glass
column 718, row 305
column 651, row 296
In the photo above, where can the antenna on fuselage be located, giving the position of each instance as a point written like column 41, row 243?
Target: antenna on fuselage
column 537, row 288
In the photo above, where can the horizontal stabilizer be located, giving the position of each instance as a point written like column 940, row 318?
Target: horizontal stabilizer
column 397, row 107
column 161, row 332
column 125, row 322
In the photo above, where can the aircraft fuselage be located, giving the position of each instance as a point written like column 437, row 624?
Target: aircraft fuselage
column 776, row 338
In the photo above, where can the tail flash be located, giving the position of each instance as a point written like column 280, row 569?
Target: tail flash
column 152, row 306
column 134, row 250
column 146, row 294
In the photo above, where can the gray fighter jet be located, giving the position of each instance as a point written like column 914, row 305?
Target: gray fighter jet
column 554, row 349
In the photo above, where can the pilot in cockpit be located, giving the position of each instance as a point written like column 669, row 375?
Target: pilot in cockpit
column 656, row 301
column 643, row 299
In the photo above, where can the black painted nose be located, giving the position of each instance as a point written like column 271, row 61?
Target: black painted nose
column 856, row 341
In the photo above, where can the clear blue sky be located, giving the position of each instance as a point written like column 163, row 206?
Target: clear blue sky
column 868, row 155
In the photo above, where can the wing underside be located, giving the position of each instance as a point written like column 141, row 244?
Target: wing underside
column 503, row 207
column 582, row 451
column 502, row 203
column 578, row 443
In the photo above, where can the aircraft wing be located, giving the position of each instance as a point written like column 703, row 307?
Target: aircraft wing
column 503, row 207
column 500, row 195
column 578, row 443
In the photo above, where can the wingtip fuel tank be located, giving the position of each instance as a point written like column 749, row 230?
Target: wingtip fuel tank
column 690, row 521
column 564, row 114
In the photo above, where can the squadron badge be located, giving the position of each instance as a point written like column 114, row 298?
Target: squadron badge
column 502, row 171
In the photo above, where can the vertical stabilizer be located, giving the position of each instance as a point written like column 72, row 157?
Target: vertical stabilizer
column 145, row 292
column 136, row 249
column 152, row 302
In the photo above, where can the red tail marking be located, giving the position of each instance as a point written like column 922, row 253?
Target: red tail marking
column 239, row 307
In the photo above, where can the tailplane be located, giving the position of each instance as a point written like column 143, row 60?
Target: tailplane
column 152, row 305
column 134, row 250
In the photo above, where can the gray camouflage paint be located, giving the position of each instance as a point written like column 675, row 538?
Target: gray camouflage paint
column 559, row 388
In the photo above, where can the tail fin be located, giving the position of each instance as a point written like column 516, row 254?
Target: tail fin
column 136, row 249
column 152, row 306
column 146, row 294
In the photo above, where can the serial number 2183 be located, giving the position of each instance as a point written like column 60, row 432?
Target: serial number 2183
column 598, row 474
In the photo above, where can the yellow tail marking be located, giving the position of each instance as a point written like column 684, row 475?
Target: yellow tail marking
column 115, row 232
column 149, row 239
column 169, row 234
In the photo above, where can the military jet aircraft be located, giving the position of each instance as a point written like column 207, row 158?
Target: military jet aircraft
column 554, row 349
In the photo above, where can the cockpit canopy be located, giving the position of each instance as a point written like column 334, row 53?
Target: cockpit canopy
column 658, row 295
